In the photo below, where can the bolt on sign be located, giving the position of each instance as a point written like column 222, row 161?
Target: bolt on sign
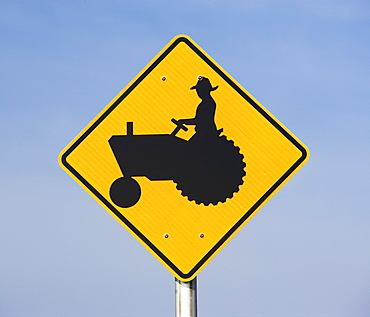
column 183, row 157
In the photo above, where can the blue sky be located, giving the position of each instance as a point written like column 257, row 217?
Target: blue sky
column 306, row 253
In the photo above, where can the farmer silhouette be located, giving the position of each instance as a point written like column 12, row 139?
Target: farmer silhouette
column 205, row 114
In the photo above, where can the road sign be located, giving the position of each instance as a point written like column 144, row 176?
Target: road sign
column 183, row 157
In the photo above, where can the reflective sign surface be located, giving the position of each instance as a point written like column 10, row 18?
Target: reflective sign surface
column 183, row 157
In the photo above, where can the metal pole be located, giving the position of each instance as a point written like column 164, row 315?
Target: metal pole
column 186, row 298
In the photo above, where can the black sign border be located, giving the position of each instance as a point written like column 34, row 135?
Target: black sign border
column 246, row 215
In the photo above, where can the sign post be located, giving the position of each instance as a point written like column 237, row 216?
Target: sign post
column 186, row 298
column 183, row 157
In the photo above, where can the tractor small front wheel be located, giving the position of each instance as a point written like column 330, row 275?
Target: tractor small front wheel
column 125, row 192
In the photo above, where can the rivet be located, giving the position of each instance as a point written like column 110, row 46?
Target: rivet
column 200, row 77
column 166, row 235
column 164, row 78
column 201, row 235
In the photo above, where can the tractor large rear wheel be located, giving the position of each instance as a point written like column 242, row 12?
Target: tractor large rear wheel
column 216, row 173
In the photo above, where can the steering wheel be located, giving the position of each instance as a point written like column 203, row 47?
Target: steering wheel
column 179, row 126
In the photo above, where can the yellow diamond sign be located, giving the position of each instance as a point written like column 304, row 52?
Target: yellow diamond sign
column 183, row 157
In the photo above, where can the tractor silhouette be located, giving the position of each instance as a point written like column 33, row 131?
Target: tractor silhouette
column 208, row 168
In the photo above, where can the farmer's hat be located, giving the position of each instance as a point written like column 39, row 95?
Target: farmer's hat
column 204, row 84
